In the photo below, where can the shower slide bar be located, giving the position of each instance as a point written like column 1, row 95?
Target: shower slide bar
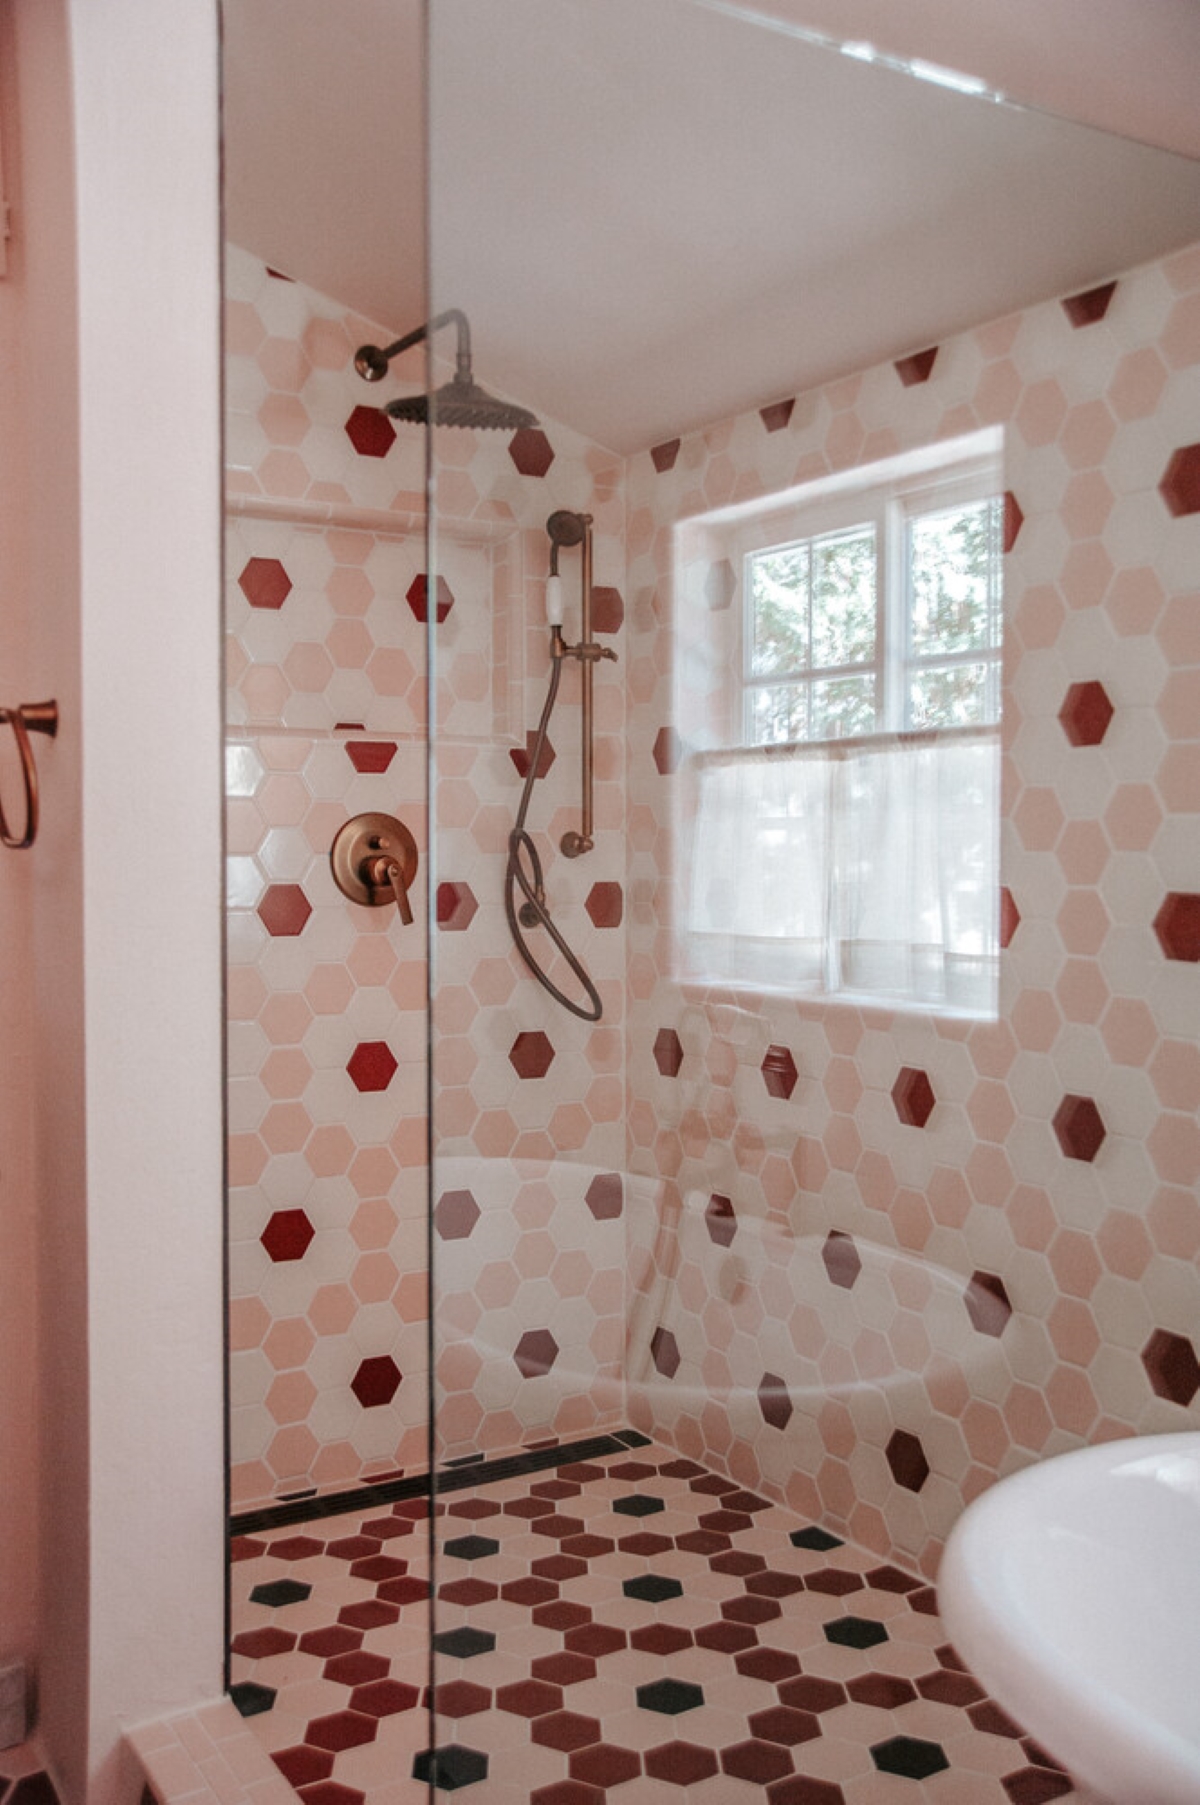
column 30, row 717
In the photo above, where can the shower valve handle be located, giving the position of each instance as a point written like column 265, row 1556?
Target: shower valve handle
column 374, row 860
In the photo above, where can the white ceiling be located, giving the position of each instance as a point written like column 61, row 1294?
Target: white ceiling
column 656, row 213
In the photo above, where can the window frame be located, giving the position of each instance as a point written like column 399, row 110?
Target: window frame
column 889, row 501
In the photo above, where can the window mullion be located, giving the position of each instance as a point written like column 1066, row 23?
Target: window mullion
column 894, row 576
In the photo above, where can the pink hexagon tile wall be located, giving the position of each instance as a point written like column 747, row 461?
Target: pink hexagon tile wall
column 326, row 598
column 958, row 1159
column 1032, row 1351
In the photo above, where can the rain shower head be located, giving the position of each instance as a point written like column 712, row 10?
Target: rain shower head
column 459, row 402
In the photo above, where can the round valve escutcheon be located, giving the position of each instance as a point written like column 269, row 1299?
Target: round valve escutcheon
column 374, row 860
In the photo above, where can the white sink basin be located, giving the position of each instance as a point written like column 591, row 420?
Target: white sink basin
column 1072, row 1589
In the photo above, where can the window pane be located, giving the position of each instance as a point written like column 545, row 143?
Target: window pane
column 779, row 610
column 842, row 707
column 956, row 695
column 843, row 598
column 955, row 604
column 779, row 713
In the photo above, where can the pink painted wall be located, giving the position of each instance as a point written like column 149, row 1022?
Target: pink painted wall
column 149, row 311
column 112, row 1173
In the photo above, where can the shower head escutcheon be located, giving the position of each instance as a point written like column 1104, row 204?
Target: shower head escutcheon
column 459, row 402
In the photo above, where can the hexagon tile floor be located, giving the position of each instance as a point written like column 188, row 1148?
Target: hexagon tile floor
column 627, row 1631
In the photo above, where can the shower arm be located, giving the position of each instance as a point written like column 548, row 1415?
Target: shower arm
column 372, row 362
column 573, row 844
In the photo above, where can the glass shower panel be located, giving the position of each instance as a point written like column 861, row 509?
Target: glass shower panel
column 740, row 1289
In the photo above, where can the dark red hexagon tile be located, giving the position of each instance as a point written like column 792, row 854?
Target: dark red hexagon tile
column 265, row 583
column 370, row 432
column 1180, row 485
column 455, row 1215
column 663, row 456
column 372, row 1065
column 774, row 1402
column 906, row 1458
column 385, row 1698
column 287, row 1235
column 257, row 1645
column 605, row 905
column 358, row 1667
column 664, row 1351
column 332, row 1641
column 521, row 755
column 987, row 1303
column 668, row 750
column 604, row 1765
column 1079, row 1127
column 1177, row 926
column 417, row 597
column 776, row 415
column 462, row 1698
column 370, row 755
column 303, row 1765
column 668, row 1052
column 755, row 1761
column 529, row 1698
column 841, row 1258
column 785, row 1725
column 284, row 910
column 1171, row 1366
column 456, row 906
column 1086, row 713
column 913, row 1096
column 807, row 1692
column 376, row 1381
column 566, row 1731
column 340, row 1730
column 1091, row 306
column 1010, row 916
column 779, row 1072
column 720, row 1219
column 680, row 1763
column 608, row 610
column 917, row 367
column 531, row 1054
column 535, row 1353
column 531, row 451
column 605, row 1196
column 1013, row 521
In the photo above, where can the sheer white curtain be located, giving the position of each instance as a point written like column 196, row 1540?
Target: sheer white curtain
column 860, row 866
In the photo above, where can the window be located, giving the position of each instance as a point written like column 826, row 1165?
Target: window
column 845, row 833
column 889, row 623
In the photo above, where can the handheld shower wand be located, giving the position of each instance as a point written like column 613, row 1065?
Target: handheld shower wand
column 524, row 870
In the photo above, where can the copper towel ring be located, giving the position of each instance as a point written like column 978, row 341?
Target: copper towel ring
column 30, row 717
